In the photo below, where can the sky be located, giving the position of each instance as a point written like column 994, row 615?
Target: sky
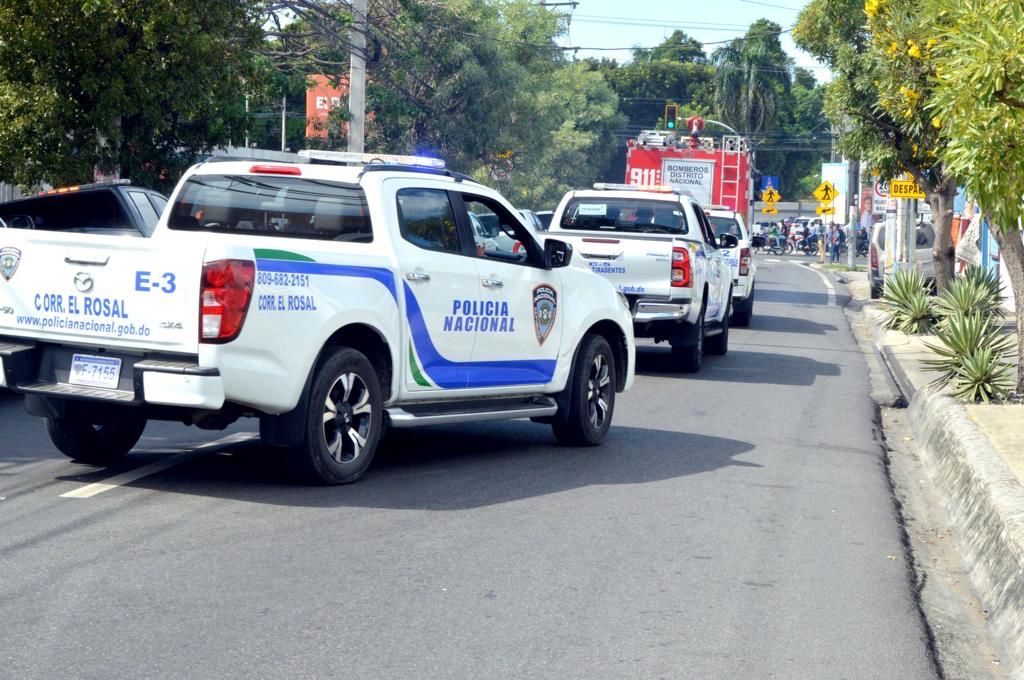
column 646, row 23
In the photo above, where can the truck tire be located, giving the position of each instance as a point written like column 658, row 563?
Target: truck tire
column 689, row 358
column 718, row 345
column 742, row 312
column 344, row 421
column 591, row 395
column 97, row 444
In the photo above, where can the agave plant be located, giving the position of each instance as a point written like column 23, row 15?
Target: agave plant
column 907, row 303
column 989, row 279
column 973, row 358
column 968, row 296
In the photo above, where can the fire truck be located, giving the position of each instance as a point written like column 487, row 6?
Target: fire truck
column 713, row 172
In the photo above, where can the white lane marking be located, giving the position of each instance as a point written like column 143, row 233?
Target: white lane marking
column 90, row 490
column 828, row 284
column 772, row 260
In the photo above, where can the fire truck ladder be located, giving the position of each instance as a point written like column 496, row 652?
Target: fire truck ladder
column 729, row 180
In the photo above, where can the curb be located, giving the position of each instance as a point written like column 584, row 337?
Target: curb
column 983, row 499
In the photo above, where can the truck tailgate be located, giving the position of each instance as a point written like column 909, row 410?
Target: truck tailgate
column 110, row 290
column 635, row 265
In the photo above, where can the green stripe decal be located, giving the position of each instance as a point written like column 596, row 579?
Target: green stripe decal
column 415, row 368
column 271, row 254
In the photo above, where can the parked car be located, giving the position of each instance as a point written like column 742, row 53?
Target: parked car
column 923, row 262
column 113, row 208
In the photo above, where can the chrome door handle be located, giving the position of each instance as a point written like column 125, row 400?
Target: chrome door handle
column 99, row 263
column 492, row 283
column 417, row 276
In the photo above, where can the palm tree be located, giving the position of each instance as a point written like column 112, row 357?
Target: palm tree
column 751, row 74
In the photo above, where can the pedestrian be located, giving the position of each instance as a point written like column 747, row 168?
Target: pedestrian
column 835, row 243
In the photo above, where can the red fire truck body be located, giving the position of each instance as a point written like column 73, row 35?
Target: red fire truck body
column 713, row 173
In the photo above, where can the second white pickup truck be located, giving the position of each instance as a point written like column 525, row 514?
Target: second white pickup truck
column 657, row 247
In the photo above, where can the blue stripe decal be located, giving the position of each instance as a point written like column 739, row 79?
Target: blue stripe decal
column 384, row 276
column 456, row 374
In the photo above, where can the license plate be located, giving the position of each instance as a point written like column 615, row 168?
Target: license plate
column 93, row 371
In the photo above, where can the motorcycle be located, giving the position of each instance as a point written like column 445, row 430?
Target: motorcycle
column 779, row 246
column 808, row 245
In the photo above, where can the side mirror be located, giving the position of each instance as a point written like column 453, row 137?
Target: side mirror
column 728, row 241
column 556, row 253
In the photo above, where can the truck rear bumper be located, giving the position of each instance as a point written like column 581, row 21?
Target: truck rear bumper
column 43, row 369
column 660, row 311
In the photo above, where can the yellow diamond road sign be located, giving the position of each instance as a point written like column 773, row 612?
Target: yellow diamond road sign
column 826, row 192
column 825, row 210
column 770, row 196
column 769, row 210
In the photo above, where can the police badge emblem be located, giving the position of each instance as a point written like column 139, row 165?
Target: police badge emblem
column 545, row 309
column 9, row 259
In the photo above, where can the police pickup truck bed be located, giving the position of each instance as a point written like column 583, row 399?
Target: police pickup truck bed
column 327, row 298
column 658, row 249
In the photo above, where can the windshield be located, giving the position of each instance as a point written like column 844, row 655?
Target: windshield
column 84, row 212
column 599, row 213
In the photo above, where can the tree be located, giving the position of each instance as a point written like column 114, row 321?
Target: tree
column 751, row 76
column 977, row 101
column 140, row 86
column 677, row 47
column 883, row 77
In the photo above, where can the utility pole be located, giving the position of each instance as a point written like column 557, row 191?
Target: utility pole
column 357, row 77
column 284, row 122
column 852, row 214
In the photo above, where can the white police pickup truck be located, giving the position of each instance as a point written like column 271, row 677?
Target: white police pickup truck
column 741, row 260
column 658, row 248
column 328, row 298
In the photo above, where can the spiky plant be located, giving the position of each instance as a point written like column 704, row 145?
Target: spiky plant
column 968, row 296
column 973, row 358
column 908, row 304
column 988, row 278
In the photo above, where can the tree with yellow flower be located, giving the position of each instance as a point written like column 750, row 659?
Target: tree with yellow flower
column 977, row 97
column 882, row 55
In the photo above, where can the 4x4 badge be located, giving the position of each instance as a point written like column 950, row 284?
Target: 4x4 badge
column 9, row 259
column 545, row 309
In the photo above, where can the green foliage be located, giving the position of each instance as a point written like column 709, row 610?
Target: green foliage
column 972, row 358
column 977, row 292
column 907, row 303
column 145, row 86
column 751, row 76
column 677, row 47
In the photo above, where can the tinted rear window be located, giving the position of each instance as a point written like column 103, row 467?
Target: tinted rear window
column 85, row 211
column 273, row 206
column 625, row 214
column 725, row 225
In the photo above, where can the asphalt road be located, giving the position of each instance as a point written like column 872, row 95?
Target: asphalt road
column 736, row 524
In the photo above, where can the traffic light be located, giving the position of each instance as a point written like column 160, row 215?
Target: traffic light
column 671, row 113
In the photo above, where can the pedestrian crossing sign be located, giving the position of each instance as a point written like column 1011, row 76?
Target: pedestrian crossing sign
column 770, row 196
column 826, row 192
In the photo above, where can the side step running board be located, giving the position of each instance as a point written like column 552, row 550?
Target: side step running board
column 441, row 413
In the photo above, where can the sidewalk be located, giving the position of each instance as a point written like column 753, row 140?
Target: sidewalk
column 974, row 457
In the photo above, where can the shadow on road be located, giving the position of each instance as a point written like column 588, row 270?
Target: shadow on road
column 789, row 324
column 455, row 468
column 739, row 367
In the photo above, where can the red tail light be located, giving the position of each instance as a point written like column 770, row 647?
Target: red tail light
column 224, row 299
column 744, row 261
column 874, row 258
column 681, row 272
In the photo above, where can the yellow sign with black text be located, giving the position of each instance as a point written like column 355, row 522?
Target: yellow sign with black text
column 825, row 210
column 905, row 188
column 770, row 210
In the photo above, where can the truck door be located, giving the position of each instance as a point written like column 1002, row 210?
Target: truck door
column 441, row 285
column 516, row 319
column 719, row 275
